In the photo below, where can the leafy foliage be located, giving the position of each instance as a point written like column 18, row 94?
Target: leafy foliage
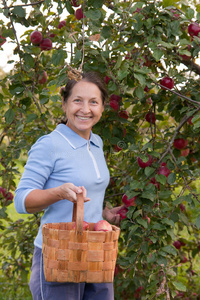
column 135, row 44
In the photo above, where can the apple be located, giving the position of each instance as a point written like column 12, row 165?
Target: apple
column 194, row 29
column 167, row 82
column 107, row 79
column 143, row 164
column 114, row 104
column 61, row 24
column 46, row 44
column 102, row 225
column 164, row 171
column 124, row 114
column 177, row 244
column 2, row 40
column 36, row 37
column 79, row 13
column 74, row 3
column 150, row 117
column 122, row 212
column 115, row 98
column 128, row 202
column 180, row 143
column 184, row 259
column 117, row 148
column 3, row 192
column 154, row 182
column 182, row 207
column 190, row 120
column 9, row 196
column 42, row 78
column 185, row 152
column 85, row 226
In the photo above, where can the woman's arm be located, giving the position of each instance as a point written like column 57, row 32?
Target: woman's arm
column 38, row 200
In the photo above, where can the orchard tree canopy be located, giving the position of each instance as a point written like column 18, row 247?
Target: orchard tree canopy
column 147, row 52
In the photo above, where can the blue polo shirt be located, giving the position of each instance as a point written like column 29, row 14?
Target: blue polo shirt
column 59, row 157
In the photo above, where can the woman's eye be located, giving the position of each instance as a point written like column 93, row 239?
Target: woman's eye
column 77, row 100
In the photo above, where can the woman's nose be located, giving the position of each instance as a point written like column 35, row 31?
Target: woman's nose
column 85, row 107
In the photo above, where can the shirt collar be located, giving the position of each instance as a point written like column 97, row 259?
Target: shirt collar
column 73, row 138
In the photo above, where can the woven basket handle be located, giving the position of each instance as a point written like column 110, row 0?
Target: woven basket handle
column 78, row 213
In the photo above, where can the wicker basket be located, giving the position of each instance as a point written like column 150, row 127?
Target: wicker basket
column 79, row 256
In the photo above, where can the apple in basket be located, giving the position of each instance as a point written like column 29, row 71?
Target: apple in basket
column 85, row 226
column 102, row 225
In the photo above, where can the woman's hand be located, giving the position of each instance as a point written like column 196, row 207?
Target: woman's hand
column 111, row 215
column 69, row 191
column 38, row 200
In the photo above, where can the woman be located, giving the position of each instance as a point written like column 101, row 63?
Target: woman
column 60, row 165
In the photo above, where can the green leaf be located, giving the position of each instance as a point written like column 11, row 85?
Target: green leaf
column 140, row 78
column 148, row 195
column 31, row 117
column 19, row 11
column 142, row 222
column 197, row 222
column 29, row 60
column 161, row 178
column 148, row 171
column 106, row 32
column 162, row 261
column 137, row 213
column 179, row 286
column 168, row 222
column 189, row 13
column 157, row 54
column 93, row 14
column 139, row 92
column 58, row 57
column 169, row 249
column 171, row 178
column 9, row 115
column 158, row 226
column 168, row 2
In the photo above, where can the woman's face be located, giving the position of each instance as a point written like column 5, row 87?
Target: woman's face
column 83, row 108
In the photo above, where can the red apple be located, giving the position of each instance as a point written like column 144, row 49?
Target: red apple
column 9, row 196
column 2, row 40
column 150, row 117
column 102, row 225
column 185, row 152
column 117, row 148
column 190, row 120
column 79, row 13
column 180, row 143
column 114, row 104
column 182, row 207
column 163, row 164
column 154, row 182
column 36, row 37
column 164, row 171
column 177, row 244
column 107, row 79
column 124, row 114
column 128, row 202
column 167, row 82
column 2, row 192
column 85, row 226
column 42, row 78
column 74, row 3
column 143, row 164
column 184, row 259
column 194, row 29
column 61, row 24
column 122, row 212
column 46, row 44
column 115, row 98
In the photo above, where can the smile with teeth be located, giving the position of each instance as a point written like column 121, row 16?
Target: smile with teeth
column 83, row 118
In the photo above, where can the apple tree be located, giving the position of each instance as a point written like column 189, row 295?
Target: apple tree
column 147, row 52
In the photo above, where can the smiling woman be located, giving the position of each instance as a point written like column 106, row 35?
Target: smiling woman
column 62, row 164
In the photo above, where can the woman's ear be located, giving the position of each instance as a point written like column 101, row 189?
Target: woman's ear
column 63, row 105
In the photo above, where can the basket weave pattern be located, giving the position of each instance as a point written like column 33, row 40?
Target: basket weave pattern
column 74, row 255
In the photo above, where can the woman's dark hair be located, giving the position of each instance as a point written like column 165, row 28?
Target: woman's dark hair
column 92, row 77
